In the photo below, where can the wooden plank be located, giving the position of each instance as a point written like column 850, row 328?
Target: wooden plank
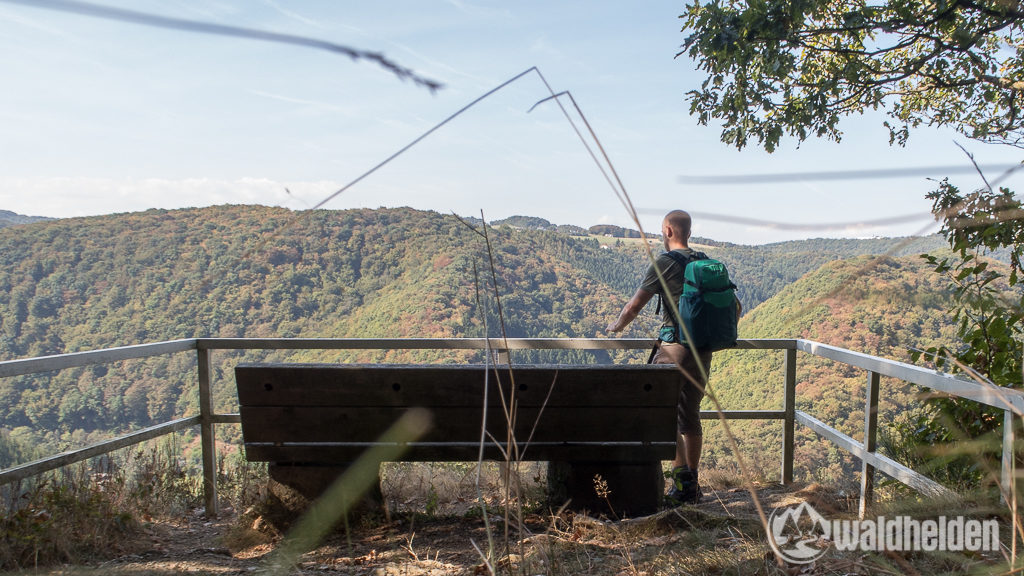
column 226, row 418
column 867, row 473
column 789, row 417
column 78, row 359
column 459, row 385
column 466, row 452
column 744, row 414
column 71, row 456
column 1007, row 473
column 915, row 480
column 455, row 424
column 207, row 435
column 299, row 413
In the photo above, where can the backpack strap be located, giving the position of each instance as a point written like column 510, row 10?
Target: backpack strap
column 683, row 261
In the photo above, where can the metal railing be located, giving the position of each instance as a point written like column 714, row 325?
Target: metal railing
column 1009, row 400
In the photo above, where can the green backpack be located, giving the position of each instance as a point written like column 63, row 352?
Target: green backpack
column 707, row 305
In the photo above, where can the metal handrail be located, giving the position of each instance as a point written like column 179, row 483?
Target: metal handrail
column 1009, row 400
column 78, row 359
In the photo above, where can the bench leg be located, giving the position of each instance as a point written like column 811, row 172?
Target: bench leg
column 630, row 489
column 294, row 487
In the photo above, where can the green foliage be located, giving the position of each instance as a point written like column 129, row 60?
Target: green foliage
column 922, row 440
column 14, row 450
column 616, row 231
column 527, row 222
column 783, row 67
column 988, row 309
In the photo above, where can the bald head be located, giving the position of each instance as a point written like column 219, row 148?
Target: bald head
column 676, row 229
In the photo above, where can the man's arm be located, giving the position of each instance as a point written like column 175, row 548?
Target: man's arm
column 631, row 310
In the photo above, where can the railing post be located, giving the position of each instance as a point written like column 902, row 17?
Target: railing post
column 207, row 435
column 867, row 474
column 789, row 421
column 1008, row 473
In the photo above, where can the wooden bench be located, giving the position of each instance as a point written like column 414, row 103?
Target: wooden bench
column 619, row 421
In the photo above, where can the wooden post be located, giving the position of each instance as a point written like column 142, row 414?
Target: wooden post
column 1008, row 475
column 789, row 421
column 867, row 474
column 206, row 428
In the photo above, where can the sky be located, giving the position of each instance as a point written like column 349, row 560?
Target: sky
column 103, row 117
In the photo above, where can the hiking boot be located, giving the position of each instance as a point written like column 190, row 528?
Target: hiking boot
column 685, row 489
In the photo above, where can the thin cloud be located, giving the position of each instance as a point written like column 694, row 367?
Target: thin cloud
column 21, row 20
column 310, row 105
column 540, row 45
column 476, row 10
column 294, row 15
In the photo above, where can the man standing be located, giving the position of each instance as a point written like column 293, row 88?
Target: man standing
column 675, row 229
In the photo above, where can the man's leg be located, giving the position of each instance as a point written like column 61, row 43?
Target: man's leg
column 689, row 441
column 688, row 447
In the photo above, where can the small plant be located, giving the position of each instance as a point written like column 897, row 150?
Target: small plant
column 90, row 510
column 63, row 521
column 431, row 506
column 603, row 492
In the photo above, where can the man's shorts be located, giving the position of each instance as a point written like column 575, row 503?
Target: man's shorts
column 690, row 395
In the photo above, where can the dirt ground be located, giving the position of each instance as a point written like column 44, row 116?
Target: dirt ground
column 412, row 543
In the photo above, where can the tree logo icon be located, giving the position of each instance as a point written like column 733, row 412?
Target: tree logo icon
column 799, row 534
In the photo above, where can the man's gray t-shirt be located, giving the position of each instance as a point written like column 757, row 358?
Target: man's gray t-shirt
column 673, row 274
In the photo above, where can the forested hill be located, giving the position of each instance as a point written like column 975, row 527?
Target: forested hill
column 8, row 218
column 247, row 271
column 764, row 270
column 77, row 284
column 878, row 306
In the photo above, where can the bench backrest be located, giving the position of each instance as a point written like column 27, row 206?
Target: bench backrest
column 313, row 413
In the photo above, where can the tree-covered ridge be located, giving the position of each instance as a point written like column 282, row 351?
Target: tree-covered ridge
column 875, row 305
column 527, row 222
column 8, row 218
column 245, row 271
column 763, row 271
column 79, row 284
column 846, row 247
